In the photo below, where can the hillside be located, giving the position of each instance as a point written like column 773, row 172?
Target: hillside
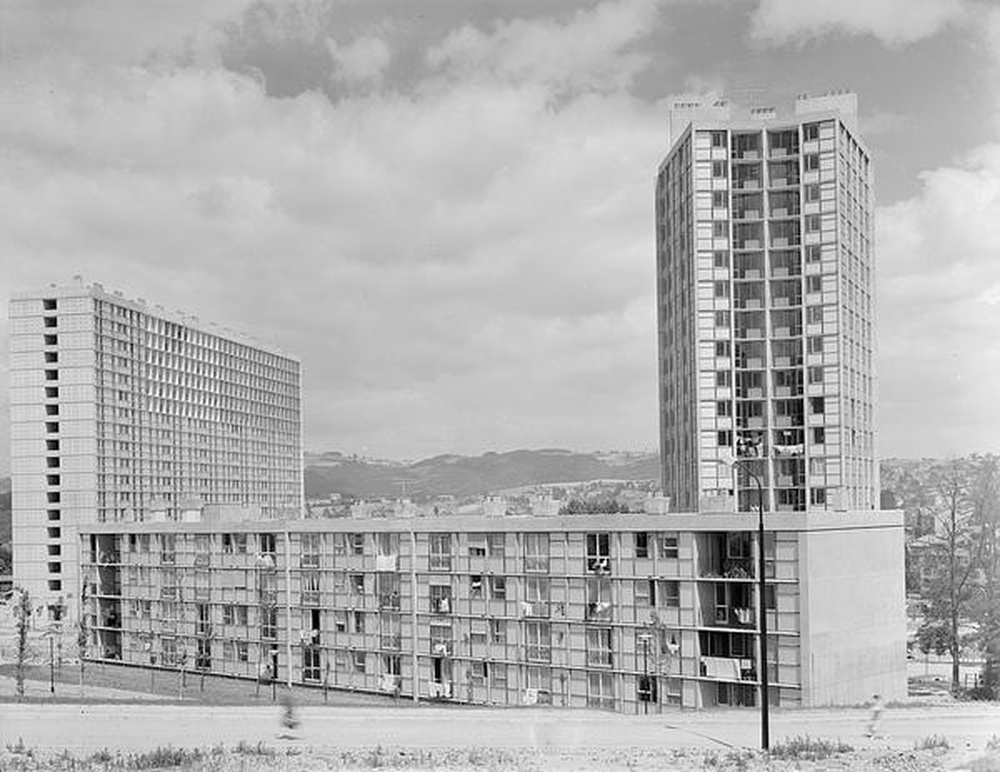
column 469, row 475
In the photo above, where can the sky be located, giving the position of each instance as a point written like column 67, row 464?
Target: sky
column 445, row 208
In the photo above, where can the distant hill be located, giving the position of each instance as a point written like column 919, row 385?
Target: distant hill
column 328, row 473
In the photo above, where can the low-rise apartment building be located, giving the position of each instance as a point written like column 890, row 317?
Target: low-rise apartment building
column 627, row 612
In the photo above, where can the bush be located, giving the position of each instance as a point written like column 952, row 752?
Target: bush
column 807, row 748
column 932, row 742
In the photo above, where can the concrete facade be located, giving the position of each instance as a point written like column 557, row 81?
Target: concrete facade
column 765, row 268
column 123, row 411
column 629, row 613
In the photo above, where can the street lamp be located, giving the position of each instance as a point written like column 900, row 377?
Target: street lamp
column 765, row 738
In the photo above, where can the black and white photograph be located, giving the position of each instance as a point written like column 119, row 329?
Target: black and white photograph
column 510, row 385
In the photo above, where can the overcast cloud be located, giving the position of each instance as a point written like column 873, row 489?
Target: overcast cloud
column 449, row 219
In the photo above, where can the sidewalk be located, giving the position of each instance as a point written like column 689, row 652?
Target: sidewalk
column 40, row 690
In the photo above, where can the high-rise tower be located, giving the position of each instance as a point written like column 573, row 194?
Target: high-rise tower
column 122, row 411
column 764, row 234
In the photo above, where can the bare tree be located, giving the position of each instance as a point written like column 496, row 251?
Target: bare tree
column 22, row 617
column 985, row 501
column 958, row 552
column 82, row 632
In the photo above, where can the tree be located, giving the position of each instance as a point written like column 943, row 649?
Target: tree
column 958, row 551
column 985, row 502
column 22, row 619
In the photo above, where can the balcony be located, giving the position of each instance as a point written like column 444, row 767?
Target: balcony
column 310, row 560
column 440, row 562
column 538, row 609
column 442, row 648
column 388, row 601
column 109, row 558
column 203, row 630
column 440, row 691
column 536, row 564
column 387, row 562
column 597, row 564
column 310, row 597
column 201, row 560
column 268, row 597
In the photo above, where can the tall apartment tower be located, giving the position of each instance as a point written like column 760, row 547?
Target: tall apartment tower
column 766, row 315
column 122, row 411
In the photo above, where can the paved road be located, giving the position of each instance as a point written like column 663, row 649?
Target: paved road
column 89, row 728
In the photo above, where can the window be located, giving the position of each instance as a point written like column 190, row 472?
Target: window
column 641, row 540
column 814, row 284
column 478, row 672
column 52, row 444
column 720, row 259
column 720, row 229
column 719, row 169
column 52, row 479
column 357, row 583
column 721, row 348
column 599, row 605
column 815, row 374
column 724, row 439
column 814, row 314
column 498, row 631
column 811, row 162
column 811, row 193
column 601, row 691
column 168, row 548
column 268, row 544
column 645, row 592
column 718, row 139
column 495, row 542
column 536, row 552
column 819, row 435
column 49, row 304
column 721, row 289
column 817, row 496
column 356, row 542
column 814, row 253
column 228, row 615
column 358, row 661
column 440, row 551
column 498, row 587
column 719, row 199
column 51, row 357
column 646, row 689
column 538, row 642
column 815, row 344
column 52, row 410
column 539, row 680
column 310, row 663
column 310, row 588
column 477, row 545
column 722, row 319
column 50, row 321
column 52, row 427
column 440, row 598
column 340, row 621
column 817, row 405
column 670, row 593
column 476, row 586
column 359, row 621
column 242, row 651
column 310, row 549
column 598, row 552
column 723, row 409
column 668, row 546
column 52, row 462
column 812, row 223
column 599, row 646
column 810, row 132
column 268, row 623
column 51, row 340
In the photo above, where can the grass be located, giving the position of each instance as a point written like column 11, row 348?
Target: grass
column 932, row 743
column 805, row 748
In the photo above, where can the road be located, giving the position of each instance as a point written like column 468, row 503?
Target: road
column 134, row 727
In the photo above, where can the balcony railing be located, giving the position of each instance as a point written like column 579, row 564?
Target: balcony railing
column 728, row 668
column 391, row 642
column 536, row 608
column 442, row 648
column 730, row 616
column 597, row 564
column 309, row 560
column 441, row 605
column 389, row 601
column 536, row 564
column 386, row 562
column 600, row 612
column 310, row 597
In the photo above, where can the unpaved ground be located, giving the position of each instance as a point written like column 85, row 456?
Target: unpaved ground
column 289, row 756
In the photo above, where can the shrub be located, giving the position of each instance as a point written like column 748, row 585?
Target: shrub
column 807, row 748
column 932, row 742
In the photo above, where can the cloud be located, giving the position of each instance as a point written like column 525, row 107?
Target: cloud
column 894, row 22
column 939, row 288
column 590, row 50
column 462, row 267
column 362, row 61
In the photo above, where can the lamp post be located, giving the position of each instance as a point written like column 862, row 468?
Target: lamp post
column 765, row 734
